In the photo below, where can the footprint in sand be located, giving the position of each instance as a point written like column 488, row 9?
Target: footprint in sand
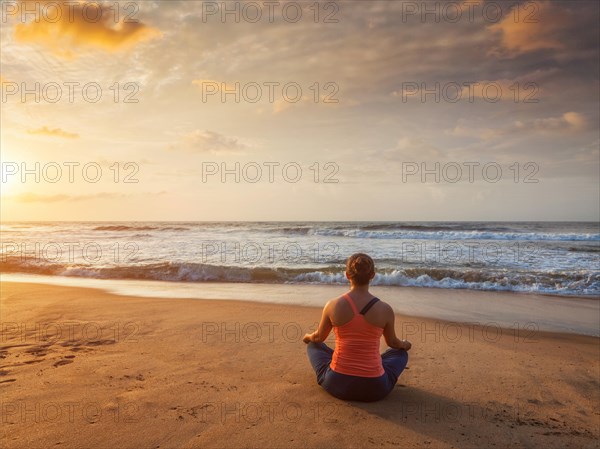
column 38, row 351
column 100, row 342
column 29, row 362
column 63, row 362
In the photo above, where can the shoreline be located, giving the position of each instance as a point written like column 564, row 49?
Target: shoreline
column 315, row 308
column 127, row 371
column 550, row 313
column 30, row 277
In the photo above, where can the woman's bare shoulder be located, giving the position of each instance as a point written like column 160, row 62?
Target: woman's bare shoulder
column 335, row 301
column 385, row 307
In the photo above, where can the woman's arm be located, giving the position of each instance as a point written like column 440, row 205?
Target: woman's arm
column 389, row 333
column 324, row 328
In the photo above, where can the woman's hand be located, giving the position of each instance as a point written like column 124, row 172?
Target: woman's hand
column 405, row 344
column 308, row 338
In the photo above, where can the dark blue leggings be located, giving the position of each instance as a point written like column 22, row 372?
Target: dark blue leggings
column 356, row 388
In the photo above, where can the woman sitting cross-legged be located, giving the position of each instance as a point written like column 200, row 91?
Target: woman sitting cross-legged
column 355, row 370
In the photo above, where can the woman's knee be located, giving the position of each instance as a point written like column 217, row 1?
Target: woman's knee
column 404, row 354
column 395, row 361
column 321, row 347
column 393, row 352
column 312, row 346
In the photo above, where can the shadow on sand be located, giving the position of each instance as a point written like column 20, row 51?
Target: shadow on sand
column 458, row 423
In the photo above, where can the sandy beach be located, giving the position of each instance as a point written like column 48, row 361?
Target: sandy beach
column 184, row 185
column 85, row 368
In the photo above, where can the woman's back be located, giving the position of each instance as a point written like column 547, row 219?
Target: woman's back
column 355, row 370
column 357, row 337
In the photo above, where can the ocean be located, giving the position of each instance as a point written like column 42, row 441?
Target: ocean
column 555, row 258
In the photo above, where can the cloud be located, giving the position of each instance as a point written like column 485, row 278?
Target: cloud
column 204, row 141
column 535, row 28
column 415, row 148
column 56, row 132
column 282, row 104
column 81, row 25
column 462, row 130
column 569, row 121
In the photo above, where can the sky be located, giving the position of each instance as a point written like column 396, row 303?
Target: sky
column 348, row 110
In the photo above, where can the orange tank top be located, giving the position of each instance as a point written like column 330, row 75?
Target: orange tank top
column 357, row 347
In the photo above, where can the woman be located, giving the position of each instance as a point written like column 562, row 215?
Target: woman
column 355, row 371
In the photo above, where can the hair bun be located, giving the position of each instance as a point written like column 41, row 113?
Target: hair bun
column 360, row 268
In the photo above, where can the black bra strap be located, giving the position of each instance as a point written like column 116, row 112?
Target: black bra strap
column 366, row 308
